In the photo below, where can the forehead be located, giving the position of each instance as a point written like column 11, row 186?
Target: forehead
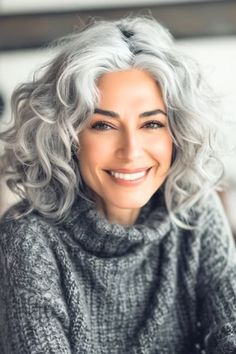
column 126, row 77
column 129, row 86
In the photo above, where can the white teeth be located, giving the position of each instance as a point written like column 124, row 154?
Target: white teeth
column 128, row 176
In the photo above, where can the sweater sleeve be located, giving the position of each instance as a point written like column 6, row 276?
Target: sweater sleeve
column 33, row 316
column 217, row 281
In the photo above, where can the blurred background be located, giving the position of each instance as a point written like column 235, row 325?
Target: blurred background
column 205, row 30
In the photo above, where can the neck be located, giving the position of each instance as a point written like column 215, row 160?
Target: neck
column 116, row 215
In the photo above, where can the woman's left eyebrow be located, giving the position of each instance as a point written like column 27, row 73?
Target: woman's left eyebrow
column 151, row 113
column 112, row 114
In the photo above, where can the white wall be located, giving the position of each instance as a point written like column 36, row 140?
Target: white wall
column 8, row 6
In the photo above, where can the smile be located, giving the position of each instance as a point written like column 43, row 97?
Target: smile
column 127, row 177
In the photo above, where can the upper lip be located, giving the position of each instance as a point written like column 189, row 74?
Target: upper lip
column 127, row 170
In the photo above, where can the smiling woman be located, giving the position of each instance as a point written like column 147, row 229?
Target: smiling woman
column 120, row 244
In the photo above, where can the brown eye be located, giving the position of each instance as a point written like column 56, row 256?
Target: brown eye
column 153, row 124
column 100, row 125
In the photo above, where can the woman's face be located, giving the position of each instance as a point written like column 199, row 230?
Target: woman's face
column 126, row 148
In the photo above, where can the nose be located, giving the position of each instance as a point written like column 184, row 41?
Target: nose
column 130, row 146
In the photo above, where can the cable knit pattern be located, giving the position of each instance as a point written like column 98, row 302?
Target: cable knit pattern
column 89, row 287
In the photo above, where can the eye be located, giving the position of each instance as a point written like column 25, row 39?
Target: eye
column 153, row 124
column 101, row 125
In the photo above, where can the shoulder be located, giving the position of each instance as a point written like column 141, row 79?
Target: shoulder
column 217, row 246
column 209, row 215
column 28, row 228
column 213, row 225
column 211, row 236
column 25, row 249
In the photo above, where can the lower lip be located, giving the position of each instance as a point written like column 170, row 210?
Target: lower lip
column 124, row 182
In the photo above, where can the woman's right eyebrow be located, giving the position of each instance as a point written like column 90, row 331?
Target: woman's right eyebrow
column 112, row 114
column 106, row 113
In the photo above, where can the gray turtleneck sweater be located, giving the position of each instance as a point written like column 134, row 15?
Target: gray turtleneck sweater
column 89, row 287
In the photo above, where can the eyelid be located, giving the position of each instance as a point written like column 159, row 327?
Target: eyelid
column 101, row 122
column 155, row 121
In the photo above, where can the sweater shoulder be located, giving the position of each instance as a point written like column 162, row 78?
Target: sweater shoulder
column 208, row 216
column 217, row 246
column 15, row 231
column 212, row 219
column 26, row 251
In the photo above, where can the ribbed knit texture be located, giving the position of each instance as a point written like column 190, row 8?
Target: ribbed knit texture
column 89, row 287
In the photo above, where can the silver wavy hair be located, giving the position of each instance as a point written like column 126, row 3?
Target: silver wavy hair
column 49, row 112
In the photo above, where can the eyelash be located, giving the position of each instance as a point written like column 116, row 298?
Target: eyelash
column 100, row 125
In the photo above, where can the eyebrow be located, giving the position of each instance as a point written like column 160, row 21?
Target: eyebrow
column 112, row 114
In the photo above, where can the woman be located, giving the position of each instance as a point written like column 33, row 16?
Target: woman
column 120, row 244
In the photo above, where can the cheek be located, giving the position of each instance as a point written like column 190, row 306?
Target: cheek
column 93, row 152
column 162, row 149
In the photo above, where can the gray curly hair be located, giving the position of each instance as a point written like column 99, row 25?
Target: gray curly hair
column 49, row 112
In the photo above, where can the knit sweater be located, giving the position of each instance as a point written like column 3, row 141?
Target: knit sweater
column 86, row 286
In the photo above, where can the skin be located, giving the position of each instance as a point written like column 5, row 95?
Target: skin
column 123, row 139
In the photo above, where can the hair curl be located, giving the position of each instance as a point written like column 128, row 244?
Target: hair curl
column 50, row 111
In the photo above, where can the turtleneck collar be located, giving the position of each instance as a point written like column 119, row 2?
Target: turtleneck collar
column 98, row 236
